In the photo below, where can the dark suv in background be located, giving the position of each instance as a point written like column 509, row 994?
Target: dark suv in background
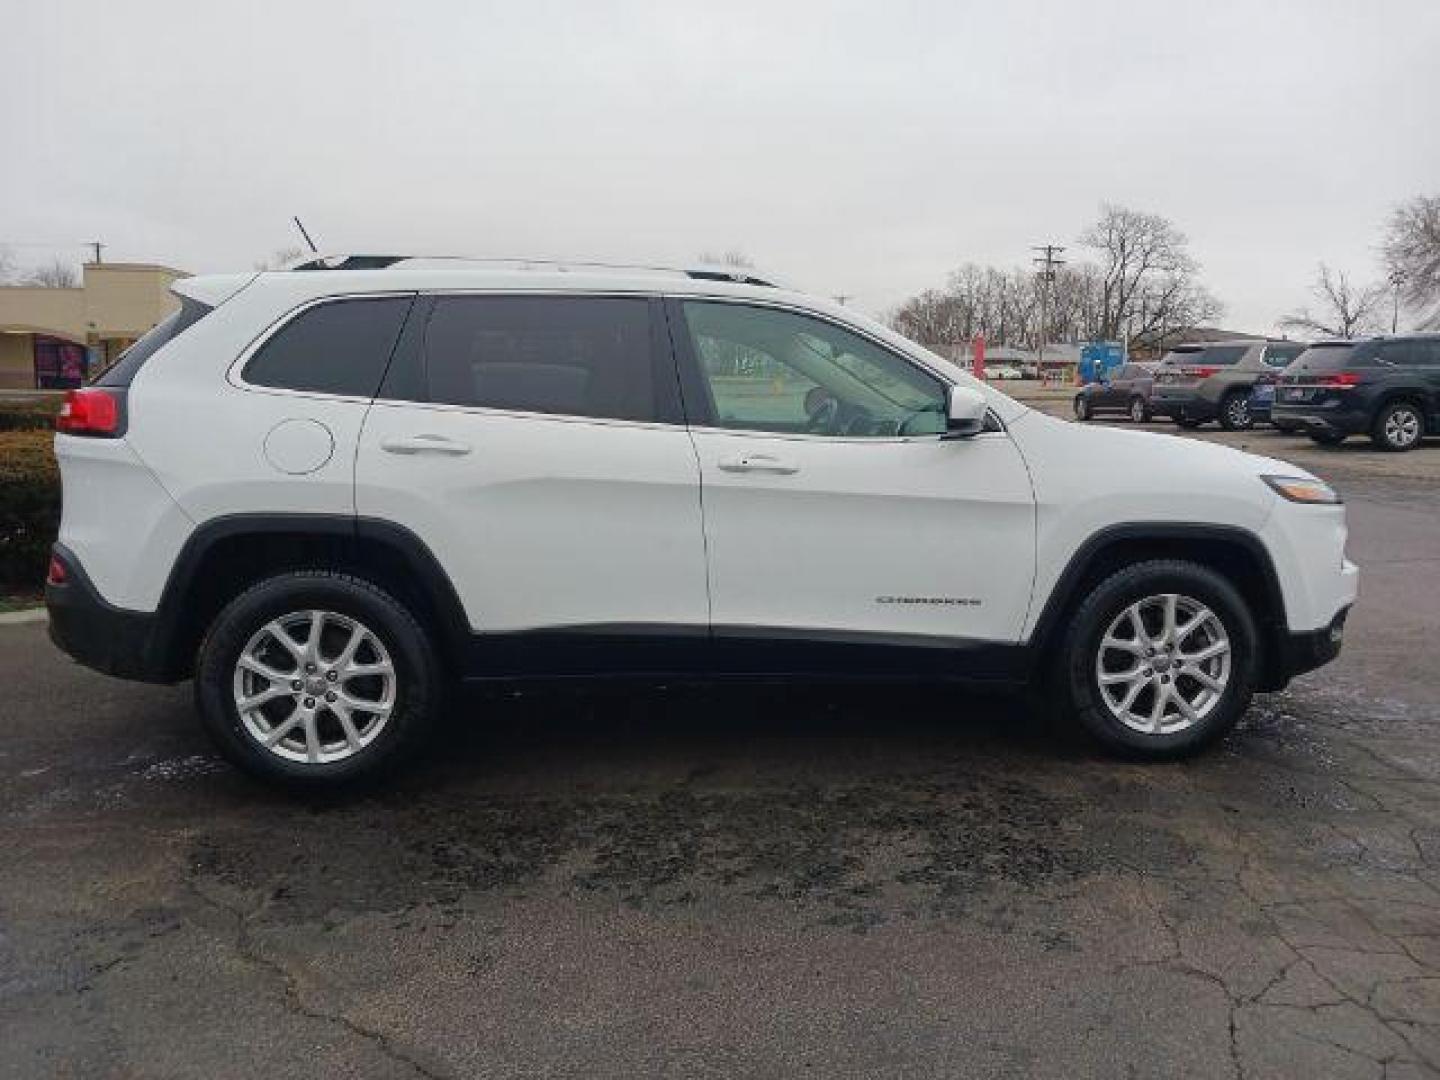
column 1388, row 388
column 1213, row 380
column 1126, row 390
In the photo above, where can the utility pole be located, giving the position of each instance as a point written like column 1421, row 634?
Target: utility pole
column 98, row 246
column 1046, row 264
column 1396, row 280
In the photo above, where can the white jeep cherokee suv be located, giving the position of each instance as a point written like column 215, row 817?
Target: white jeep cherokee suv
column 325, row 493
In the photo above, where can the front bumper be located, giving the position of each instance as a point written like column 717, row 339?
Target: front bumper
column 1300, row 653
column 126, row 644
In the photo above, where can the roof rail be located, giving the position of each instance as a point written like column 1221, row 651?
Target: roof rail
column 354, row 261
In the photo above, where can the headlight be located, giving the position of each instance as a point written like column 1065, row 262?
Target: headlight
column 1303, row 490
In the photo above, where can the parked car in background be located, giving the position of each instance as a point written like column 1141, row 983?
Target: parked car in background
column 1126, row 391
column 1214, row 380
column 1387, row 388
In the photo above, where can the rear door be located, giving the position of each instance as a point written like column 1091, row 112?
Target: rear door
column 534, row 443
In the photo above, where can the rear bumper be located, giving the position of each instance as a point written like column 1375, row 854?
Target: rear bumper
column 1350, row 421
column 111, row 640
column 1189, row 406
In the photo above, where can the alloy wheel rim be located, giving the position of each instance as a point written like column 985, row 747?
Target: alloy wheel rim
column 1137, row 412
column 314, row 687
column 1239, row 412
column 1402, row 427
column 1164, row 663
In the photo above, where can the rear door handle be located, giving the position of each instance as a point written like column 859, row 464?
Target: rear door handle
column 758, row 463
column 424, row 444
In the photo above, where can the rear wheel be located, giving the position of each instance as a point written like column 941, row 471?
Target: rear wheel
column 1398, row 427
column 1159, row 660
column 315, row 680
column 1235, row 411
column 1139, row 411
column 1082, row 407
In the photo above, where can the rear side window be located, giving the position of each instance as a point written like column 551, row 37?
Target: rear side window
column 567, row 355
column 337, row 347
column 122, row 372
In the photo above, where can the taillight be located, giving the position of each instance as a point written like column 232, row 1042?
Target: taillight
column 1340, row 380
column 1199, row 372
column 92, row 411
column 56, row 574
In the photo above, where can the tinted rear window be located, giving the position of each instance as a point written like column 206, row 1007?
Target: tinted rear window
column 568, row 355
column 338, row 347
column 1279, row 356
column 1325, row 358
column 125, row 366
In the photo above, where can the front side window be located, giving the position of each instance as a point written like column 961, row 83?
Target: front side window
column 772, row 370
column 567, row 355
column 337, row 347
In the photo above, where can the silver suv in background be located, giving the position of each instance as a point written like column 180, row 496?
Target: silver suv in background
column 1213, row 380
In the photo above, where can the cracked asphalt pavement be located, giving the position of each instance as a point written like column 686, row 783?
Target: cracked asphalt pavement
column 695, row 881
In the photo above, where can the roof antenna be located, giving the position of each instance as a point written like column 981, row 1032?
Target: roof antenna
column 313, row 249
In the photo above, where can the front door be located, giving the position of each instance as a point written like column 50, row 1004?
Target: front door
column 538, row 452
column 835, row 512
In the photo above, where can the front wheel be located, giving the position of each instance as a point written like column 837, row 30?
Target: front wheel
column 1159, row 659
column 1082, row 408
column 316, row 680
column 1139, row 411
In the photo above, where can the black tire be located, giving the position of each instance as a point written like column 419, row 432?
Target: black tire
column 1079, row 686
column 1328, row 438
column 418, row 680
column 1083, row 410
column 1188, row 423
column 1399, row 426
column 1139, row 411
column 1235, row 411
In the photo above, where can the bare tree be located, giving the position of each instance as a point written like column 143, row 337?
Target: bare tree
column 732, row 257
column 279, row 258
column 56, row 274
column 1346, row 310
column 1149, row 286
column 1412, row 256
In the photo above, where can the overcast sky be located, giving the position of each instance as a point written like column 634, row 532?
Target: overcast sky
column 857, row 148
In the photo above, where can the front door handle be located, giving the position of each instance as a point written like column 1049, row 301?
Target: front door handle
column 758, row 463
column 424, row 444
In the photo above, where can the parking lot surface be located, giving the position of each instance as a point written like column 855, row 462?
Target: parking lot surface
column 693, row 881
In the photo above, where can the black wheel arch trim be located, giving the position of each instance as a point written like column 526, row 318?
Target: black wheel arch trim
column 1273, row 625
column 454, row 628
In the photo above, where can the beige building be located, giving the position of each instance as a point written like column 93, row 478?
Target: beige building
column 52, row 337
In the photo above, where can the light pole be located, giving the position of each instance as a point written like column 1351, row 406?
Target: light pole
column 1047, row 262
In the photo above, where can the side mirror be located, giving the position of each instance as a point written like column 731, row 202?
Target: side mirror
column 965, row 412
